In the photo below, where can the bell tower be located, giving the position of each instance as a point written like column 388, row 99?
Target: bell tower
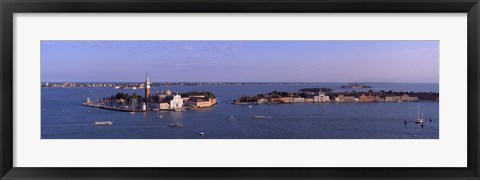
column 147, row 87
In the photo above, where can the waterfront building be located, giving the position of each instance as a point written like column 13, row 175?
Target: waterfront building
column 308, row 100
column 343, row 98
column 147, row 87
column 176, row 102
column 392, row 98
column 286, row 99
column 405, row 98
column 414, row 99
column 201, row 102
column 298, row 99
column 321, row 98
column 262, row 101
column 340, row 98
column 379, row 99
column 275, row 100
column 164, row 106
column 325, row 99
column 365, row 98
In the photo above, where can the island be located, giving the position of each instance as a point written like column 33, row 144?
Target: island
column 355, row 86
column 327, row 95
column 159, row 101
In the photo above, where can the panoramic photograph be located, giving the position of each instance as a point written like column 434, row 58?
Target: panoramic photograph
column 239, row 89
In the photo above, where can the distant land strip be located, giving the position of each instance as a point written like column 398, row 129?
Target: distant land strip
column 135, row 85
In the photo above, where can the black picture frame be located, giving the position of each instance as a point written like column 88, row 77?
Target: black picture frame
column 9, row 7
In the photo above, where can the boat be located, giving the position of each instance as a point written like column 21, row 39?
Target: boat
column 159, row 115
column 250, row 106
column 201, row 133
column 103, row 122
column 419, row 118
column 176, row 125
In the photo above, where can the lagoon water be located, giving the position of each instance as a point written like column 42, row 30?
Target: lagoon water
column 64, row 118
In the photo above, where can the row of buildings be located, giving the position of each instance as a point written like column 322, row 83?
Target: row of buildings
column 158, row 101
column 322, row 97
column 376, row 98
column 169, row 101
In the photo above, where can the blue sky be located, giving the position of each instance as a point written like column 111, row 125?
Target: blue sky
column 240, row 61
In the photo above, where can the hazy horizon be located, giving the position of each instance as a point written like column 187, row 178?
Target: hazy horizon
column 228, row 82
column 241, row 61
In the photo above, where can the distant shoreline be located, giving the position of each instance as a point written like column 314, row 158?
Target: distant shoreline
column 136, row 85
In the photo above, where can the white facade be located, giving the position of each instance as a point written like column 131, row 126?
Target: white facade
column 324, row 98
column 321, row 98
column 176, row 102
column 262, row 101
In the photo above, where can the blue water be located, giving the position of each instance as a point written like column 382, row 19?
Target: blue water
column 64, row 118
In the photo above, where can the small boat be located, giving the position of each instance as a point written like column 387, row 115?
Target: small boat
column 201, row 133
column 419, row 118
column 132, row 112
column 260, row 117
column 250, row 106
column 159, row 115
column 176, row 125
column 103, row 122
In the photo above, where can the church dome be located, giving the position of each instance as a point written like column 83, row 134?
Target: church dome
column 168, row 92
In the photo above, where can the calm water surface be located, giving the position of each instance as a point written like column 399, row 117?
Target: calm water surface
column 64, row 118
